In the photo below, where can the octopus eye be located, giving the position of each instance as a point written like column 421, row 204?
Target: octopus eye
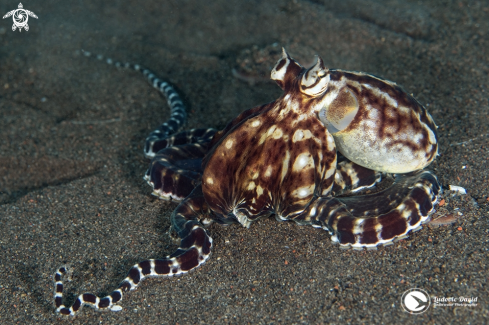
column 286, row 70
column 278, row 72
column 315, row 81
column 338, row 115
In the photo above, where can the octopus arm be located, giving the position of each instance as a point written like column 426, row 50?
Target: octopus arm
column 371, row 220
column 194, row 250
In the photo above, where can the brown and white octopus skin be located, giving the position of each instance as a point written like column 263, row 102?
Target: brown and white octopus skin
column 281, row 159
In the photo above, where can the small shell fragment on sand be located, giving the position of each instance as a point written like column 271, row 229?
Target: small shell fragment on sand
column 456, row 188
column 443, row 220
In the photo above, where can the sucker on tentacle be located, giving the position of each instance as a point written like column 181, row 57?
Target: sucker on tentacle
column 281, row 158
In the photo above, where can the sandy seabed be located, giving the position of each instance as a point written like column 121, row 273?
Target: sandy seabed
column 71, row 163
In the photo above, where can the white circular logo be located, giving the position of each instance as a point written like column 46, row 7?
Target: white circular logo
column 415, row 301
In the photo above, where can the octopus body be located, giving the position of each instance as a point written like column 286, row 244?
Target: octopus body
column 282, row 159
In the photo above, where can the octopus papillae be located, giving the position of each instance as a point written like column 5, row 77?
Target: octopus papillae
column 283, row 159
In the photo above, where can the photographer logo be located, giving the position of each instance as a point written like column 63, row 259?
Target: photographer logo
column 415, row 301
column 20, row 17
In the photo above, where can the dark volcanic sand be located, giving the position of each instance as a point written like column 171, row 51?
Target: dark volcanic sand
column 71, row 162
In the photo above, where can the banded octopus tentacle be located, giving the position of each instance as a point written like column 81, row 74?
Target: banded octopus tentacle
column 178, row 115
column 380, row 218
column 195, row 248
column 200, row 136
column 175, row 171
column 177, row 163
column 169, row 180
column 351, row 178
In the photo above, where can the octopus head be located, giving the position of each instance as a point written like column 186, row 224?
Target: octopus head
column 309, row 84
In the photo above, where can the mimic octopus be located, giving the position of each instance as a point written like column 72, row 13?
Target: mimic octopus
column 282, row 159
